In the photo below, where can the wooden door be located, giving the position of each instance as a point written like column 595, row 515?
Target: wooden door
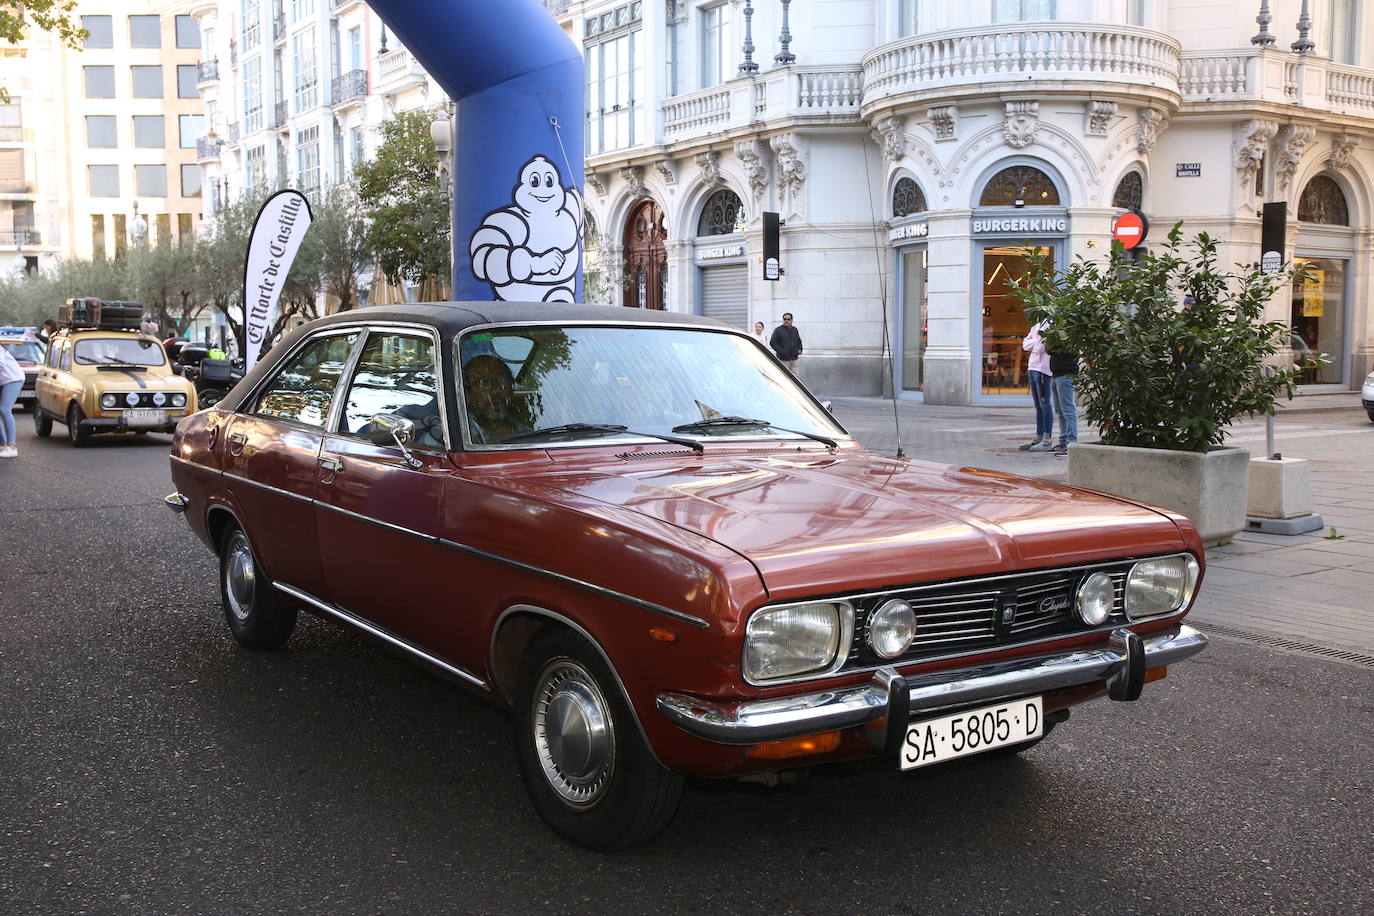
column 646, row 257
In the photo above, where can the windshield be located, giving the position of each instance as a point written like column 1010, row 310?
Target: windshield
column 521, row 380
column 24, row 351
column 96, row 351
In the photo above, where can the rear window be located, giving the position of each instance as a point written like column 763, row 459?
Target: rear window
column 24, row 351
column 127, row 351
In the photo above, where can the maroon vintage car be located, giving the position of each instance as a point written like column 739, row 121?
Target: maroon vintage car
column 638, row 532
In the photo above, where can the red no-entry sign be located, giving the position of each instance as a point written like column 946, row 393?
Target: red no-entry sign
column 1129, row 229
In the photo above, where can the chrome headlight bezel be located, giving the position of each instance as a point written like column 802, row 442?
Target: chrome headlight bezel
column 178, row 399
column 109, row 401
column 893, row 617
column 1138, row 601
column 1095, row 599
column 771, row 629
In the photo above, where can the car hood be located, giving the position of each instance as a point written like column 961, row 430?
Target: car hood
column 814, row 522
column 133, row 379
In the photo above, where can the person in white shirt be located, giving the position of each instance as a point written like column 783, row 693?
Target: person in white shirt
column 1039, row 365
column 758, row 333
column 11, row 380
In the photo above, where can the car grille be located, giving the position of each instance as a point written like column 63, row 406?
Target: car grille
column 145, row 399
column 975, row 615
column 30, row 381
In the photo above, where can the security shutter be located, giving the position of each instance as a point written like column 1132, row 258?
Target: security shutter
column 725, row 294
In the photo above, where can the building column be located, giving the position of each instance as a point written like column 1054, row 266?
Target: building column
column 948, row 359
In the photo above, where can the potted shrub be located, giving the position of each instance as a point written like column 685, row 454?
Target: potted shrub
column 1163, row 380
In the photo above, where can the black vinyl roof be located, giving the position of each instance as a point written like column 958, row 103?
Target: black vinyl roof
column 454, row 317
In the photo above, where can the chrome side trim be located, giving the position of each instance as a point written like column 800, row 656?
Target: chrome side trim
column 791, row 717
column 361, row 624
column 579, row 583
column 580, row 631
column 272, row 489
column 376, row 521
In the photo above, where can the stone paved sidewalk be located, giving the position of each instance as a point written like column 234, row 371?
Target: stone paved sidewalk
column 1311, row 588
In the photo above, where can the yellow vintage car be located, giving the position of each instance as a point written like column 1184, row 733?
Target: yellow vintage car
column 102, row 375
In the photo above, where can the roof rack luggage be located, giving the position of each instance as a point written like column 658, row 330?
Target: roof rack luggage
column 90, row 312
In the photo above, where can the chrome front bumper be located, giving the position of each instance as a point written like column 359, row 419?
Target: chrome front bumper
column 1122, row 665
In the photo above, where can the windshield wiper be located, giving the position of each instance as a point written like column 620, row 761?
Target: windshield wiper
column 121, row 367
column 580, row 429
column 718, row 422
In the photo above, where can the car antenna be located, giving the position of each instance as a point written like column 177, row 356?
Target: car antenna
column 882, row 294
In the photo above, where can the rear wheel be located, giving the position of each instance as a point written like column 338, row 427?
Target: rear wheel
column 42, row 423
column 257, row 616
column 76, row 434
column 589, row 773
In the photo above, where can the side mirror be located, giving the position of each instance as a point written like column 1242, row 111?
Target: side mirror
column 829, row 406
column 391, row 429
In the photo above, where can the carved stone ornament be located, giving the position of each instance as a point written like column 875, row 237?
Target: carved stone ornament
column 1147, row 134
column 667, row 171
column 1022, row 124
column 1293, row 141
column 596, row 183
column 790, row 153
column 750, row 154
column 887, row 133
column 1100, row 116
column 633, row 176
column 1252, row 138
column 709, row 163
column 944, row 119
column 1342, row 148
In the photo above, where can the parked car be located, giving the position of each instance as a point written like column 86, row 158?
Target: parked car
column 28, row 352
column 103, row 376
column 1367, row 395
column 638, row 532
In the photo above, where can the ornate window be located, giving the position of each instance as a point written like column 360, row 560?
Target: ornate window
column 590, row 237
column 907, row 199
column 1023, row 183
column 1323, row 202
column 1129, row 193
column 722, row 215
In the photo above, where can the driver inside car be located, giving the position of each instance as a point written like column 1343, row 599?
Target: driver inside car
column 493, row 414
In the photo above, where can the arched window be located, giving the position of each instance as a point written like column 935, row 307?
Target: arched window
column 1130, row 192
column 590, row 237
column 1020, row 186
column 722, row 215
column 907, row 198
column 1323, row 202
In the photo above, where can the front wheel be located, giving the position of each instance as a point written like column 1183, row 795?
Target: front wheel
column 42, row 423
column 1371, row 415
column 589, row 773
column 257, row 616
column 77, row 435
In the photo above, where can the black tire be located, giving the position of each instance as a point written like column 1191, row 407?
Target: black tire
column 257, row 616
column 42, row 423
column 208, row 398
column 592, row 778
column 77, row 435
column 1371, row 415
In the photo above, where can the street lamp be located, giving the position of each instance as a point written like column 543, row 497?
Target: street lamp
column 441, row 132
column 139, row 229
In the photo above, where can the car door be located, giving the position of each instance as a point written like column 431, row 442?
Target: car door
column 378, row 506
column 271, row 458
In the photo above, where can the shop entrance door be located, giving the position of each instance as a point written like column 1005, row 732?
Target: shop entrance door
column 1001, row 363
column 1318, row 321
column 646, row 257
column 914, row 325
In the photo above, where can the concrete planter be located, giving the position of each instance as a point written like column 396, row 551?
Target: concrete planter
column 1210, row 488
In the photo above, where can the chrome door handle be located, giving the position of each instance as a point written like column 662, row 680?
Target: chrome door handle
column 236, row 443
column 330, row 463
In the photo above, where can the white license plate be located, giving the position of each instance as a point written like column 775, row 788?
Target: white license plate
column 972, row 731
column 144, row 417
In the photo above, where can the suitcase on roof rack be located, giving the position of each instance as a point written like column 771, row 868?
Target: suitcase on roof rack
column 90, row 312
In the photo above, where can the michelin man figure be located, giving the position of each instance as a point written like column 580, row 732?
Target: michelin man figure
column 530, row 251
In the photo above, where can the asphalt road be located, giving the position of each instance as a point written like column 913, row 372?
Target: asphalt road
column 149, row 765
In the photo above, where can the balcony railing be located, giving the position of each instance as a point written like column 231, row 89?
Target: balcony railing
column 348, row 86
column 233, row 131
column 557, row 7
column 1261, row 75
column 396, row 67
column 24, row 238
column 795, row 92
column 207, row 148
column 279, row 27
column 209, row 71
column 933, row 64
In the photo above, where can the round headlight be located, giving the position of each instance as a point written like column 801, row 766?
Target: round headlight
column 108, row 401
column 1095, row 598
column 131, row 399
column 178, row 400
column 1161, row 586
column 159, row 398
column 892, row 628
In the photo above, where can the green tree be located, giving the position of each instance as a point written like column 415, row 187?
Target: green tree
column 55, row 16
column 408, row 213
column 340, row 230
column 164, row 279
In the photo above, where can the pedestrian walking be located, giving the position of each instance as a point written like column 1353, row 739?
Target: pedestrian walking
column 1063, row 372
column 758, row 333
column 786, row 342
column 11, row 380
column 1039, row 365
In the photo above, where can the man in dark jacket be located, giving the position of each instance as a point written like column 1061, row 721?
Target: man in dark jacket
column 786, row 342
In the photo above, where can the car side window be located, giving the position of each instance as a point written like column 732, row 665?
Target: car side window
column 54, row 349
column 396, row 375
column 65, row 356
column 303, row 390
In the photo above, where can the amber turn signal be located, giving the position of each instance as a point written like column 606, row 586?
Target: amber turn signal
column 1157, row 674
column 662, row 635
column 795, row 747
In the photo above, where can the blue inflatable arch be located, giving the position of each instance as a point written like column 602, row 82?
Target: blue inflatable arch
column 518, row 83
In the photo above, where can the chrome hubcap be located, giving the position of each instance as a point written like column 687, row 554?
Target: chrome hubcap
column 573, row 733
column 239, row 576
